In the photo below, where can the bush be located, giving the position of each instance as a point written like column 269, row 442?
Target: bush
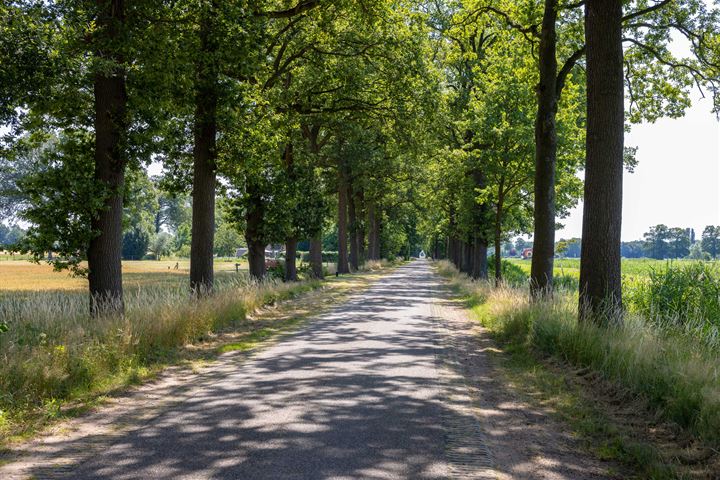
column 679, row 293
column 512, row 274
column 331, row 257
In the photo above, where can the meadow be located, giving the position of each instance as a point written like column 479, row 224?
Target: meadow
column 25, row 276
column 631, row 267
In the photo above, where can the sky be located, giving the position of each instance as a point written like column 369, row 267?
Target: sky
column 677, row 180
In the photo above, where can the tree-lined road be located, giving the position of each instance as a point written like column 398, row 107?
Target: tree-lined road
column 381, row 387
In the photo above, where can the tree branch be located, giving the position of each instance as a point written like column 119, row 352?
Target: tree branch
column 647, row 10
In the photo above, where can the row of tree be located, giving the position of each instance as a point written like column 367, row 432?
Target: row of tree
column 537, row 91
column 460, row 122
column 286, row 110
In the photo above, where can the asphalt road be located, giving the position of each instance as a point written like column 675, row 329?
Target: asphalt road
column 358, row 393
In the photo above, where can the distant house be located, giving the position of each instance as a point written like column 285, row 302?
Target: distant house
column 239, row 252
column 527, row 253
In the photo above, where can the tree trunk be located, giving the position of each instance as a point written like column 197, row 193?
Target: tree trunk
column 254, row 218
column 362, row 252
column 290, row 260
column 256, row 259
column 467, row 257
column 436, row 248
column 105, row 249
column 479, row 258
column 204, row 155
column 498, row 232
column 353, row 229
column 316, row 262
column 600, row 281
column 541, row 270
column 373, row 233
column 342, row 264
column 291, row 241
column 498, row 258
column 456, row 252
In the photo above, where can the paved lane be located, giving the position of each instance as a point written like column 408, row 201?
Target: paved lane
column 359, row 393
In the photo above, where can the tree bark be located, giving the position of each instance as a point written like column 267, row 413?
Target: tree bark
column 600, row 280
column 204, row 156
column 256, row 259
column 480, row 258
column 105, row 249
column 455, row 251
column 373, row 233
column 467, row 258
column 342, row 264
column 498, row 233
column 360, row 225
column 353, row 229
column 316, row 262
column 541, row 270
column 498, row 258
column 254, row 218
column 291, row 241
column 290, row 260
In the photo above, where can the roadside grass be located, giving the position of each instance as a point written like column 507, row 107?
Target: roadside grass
column 671, row 376
column 57, row 362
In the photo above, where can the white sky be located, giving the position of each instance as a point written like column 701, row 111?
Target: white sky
column 677, row 180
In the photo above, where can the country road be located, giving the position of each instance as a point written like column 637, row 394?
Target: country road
column 388, row 385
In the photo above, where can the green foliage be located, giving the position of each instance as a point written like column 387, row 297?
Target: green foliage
column 62, row 199
column 135, row 244
column 511, row 273
column 711, row 240
column 663, row 242
column 680, row 293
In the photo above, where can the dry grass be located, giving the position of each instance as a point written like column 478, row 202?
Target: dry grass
column 25, row 276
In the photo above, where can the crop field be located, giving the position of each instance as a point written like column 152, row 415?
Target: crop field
column 26, row 276
column 631, row 267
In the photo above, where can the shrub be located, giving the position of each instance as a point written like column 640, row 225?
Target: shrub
column 679, row 293
column 512, row 274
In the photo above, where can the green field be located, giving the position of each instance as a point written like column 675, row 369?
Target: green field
column 631, row 267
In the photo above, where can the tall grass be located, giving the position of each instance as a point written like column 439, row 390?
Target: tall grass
column 681, row 293
column 54, row 350
column 676, row 369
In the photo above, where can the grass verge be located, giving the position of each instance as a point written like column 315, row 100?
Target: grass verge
column 56, row 362
column 642, row 395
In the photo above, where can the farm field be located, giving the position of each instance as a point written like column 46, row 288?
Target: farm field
column 26, row 276
column 631, row 267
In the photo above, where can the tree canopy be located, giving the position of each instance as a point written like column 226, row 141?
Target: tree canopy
column 391, row 125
